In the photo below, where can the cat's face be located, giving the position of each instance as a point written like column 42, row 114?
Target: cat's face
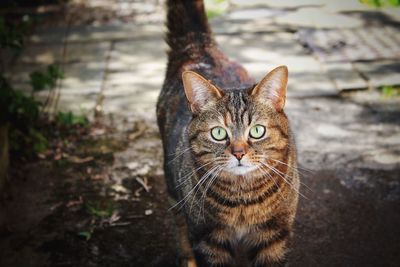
column 236, row 132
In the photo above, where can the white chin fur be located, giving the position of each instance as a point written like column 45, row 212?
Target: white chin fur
column 236, row 169
column 240, row 170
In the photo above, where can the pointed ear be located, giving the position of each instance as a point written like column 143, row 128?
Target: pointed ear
column 199, row 91
column 273, row 87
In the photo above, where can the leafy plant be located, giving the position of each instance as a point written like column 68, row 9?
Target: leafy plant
column 27, row 144
column 23, row 113
column 390, row 91
column 381, row 3
column 100, row 210
column 46, row 80
column 71, row 119
column 12, row 35
column 86, row 234
column 15, row 107
column 216, row 8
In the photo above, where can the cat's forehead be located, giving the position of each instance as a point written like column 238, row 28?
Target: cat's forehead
column 236, row 107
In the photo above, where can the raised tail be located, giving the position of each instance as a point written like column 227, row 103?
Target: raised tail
column 187, row 25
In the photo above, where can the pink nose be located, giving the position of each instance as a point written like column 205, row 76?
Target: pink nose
column 238, row 149
column 238, row 152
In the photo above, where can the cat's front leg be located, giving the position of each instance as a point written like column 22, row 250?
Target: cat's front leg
column 186, row 257
column 270, row 248
column 213, row 249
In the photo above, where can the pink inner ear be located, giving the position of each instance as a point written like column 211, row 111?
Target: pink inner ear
column 199, row 91
column 273, row 87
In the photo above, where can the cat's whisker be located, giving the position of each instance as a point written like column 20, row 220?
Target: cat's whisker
column 284, row 179
column 296, row 168
column 198, row 184
column 291, row 167
column 202, row 179
column 187, row 177
column 184, row 199
column 260, row 167
column 209, row 184
column 303, row 184
column 301, row 168
column 178, row 155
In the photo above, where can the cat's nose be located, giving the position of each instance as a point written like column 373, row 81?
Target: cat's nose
column 239, row 154
column 239, row 150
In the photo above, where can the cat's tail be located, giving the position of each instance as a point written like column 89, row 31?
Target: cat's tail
column 187, row 25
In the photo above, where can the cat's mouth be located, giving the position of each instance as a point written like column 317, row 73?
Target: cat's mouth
column 241, row 169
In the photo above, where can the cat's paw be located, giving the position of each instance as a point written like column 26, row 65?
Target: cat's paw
column 188, row 262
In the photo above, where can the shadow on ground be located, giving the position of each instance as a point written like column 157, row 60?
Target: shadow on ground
column 347, row 217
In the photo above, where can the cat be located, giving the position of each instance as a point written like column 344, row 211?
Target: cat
column 229, row 154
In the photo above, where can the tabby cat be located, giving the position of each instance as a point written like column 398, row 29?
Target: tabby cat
column 229, row 155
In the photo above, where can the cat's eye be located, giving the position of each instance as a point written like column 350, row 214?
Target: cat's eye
column 218, row 133
column 257, row 131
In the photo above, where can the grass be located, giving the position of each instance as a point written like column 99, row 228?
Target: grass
column 381, row 3
column 390, row 91
column 215, row 8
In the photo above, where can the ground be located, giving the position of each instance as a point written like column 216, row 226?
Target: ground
column 104, row 202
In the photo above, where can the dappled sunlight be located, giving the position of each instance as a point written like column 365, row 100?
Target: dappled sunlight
column 96, row 175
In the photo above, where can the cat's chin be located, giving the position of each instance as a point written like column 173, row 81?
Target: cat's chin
column 241, row 170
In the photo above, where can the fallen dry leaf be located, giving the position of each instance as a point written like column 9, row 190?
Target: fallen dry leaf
column 77, row 160
column 137, row 192
column 148, row 212
column 74, row 202
column 144, row 183
column 139, row 129
column 97, row 177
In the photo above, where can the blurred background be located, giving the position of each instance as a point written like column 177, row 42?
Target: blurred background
column 81, row 179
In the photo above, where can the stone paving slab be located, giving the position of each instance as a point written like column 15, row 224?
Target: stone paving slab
column 392, row 13
column 253, row 37
column 237, row 27
column 380, row 73
column 345, row 133
column 332, row 6
column 372, row 43
column 345, row 76
column 134, row 55
column 262, row 52
column 279, row 3
column 260, row 47
column 319, row 18
column 253, row 14
column 47, row 54
column 97, row 33
column 135, row 75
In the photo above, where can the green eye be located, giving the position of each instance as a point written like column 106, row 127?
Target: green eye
column 218, row 133
column 257, row 131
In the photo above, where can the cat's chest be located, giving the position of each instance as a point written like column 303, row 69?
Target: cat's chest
column 242, row 218
column 240, row 232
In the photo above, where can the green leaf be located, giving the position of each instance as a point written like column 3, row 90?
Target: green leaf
column 39, row 81
column 86, row 234
column 390, row 91
column 100, row 210
column 71, row 119
column 47, row 79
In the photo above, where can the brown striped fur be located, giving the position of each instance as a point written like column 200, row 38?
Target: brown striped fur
column 224, row 217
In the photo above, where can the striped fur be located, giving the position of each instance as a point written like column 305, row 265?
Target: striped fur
column 229, row 219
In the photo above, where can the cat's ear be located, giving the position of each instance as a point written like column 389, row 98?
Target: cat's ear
column 273, row 87
column 199, row 91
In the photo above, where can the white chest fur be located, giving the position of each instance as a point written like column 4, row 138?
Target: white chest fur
column 240, row 232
